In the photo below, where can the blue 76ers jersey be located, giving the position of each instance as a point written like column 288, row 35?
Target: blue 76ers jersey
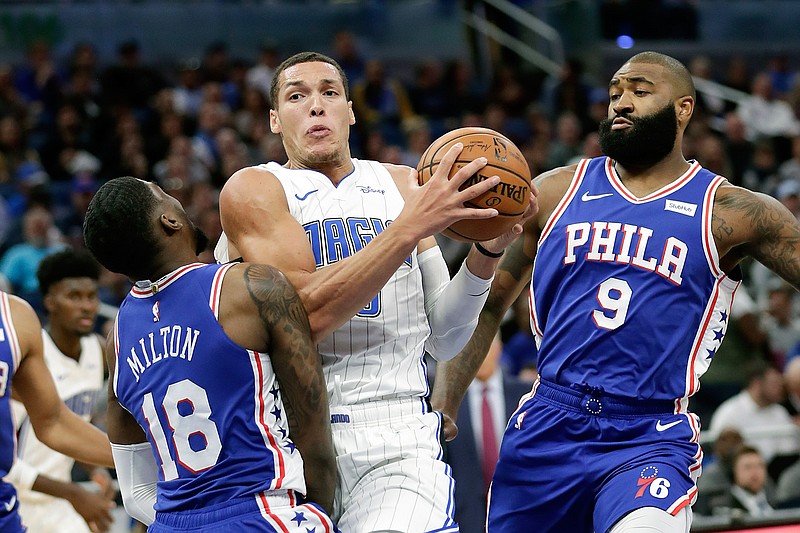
column 211, row 409
column 9, row 362
column 627, row 293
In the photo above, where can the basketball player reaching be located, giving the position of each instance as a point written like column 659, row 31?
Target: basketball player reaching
column 354, row 237
column 49, row 501
column 22, row 362
column 214, row 366
column 635, row 268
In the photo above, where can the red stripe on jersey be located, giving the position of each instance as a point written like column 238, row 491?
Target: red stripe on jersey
column 13, row 341
column 262, row 409
column 708, row 236
column 696, row 347
column 164, row 282
column 616, row 182
column 322, row 518
column 686, row 500
column 580, row 172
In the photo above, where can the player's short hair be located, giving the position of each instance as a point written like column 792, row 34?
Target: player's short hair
column 69, row 263
column 304, row 57
column 682, row 79
column 118, row 227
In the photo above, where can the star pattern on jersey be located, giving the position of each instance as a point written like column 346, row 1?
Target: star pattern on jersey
column 291, row 447
column 274, row 392
column 299, row 517
column 311, row 530
column 719, row 334
column 282, row 432
column 276, row 413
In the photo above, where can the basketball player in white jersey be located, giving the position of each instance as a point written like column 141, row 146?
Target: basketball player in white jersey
column 355, row 238
column 49, row 501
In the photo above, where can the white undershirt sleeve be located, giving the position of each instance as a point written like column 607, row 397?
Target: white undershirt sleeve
column 137, row 474
column 452, row 306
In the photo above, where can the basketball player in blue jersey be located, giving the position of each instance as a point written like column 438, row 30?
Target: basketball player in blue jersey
column 217, row 412
column 632, row 263
column 22, row 363
column 355, row 238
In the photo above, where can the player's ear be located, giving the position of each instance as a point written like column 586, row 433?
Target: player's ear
column 685, row 108
column 170, row 222
column 350, row 112
column 47, row 303
column 274, row 122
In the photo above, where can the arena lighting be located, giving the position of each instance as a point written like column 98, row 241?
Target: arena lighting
column 625, row 42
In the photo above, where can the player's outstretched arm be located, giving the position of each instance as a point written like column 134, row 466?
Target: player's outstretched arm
column 257, row 222
column 298, row 368
column 453, row 377
column 746, row 223
column 54, row 424
column 137, row 472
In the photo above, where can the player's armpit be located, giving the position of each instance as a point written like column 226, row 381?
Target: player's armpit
column 298, row 368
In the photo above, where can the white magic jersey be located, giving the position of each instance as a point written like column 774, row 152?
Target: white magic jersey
column 378, row 354
column 79, row 385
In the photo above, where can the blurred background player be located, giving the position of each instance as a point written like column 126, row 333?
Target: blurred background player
column 22, row 359
column 214, row 366
column 49, row 500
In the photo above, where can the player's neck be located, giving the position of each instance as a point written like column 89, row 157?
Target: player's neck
column 336, row 171
column 643, row 181
column 66, row 341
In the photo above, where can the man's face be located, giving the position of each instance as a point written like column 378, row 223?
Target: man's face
column 312, row 115
column 750, row 472
column 642, row 125
column 72, row 305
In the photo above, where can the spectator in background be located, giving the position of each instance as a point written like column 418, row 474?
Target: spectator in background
column 790, row 169
column 570, row 93
column 762, row 173
column 567, row 144
column 187, row 95
column 717, row 478
column 129, row 83
column 748, row 492
column 346, row 52
column 68, row 146
column 491, row 399
column 20, row 262
column 738, row 148
column 381, row 103
column 49, row 501
column 759, row 416
column 787, row 493
column 766, row 116
column 780, row 322
column 14, row 150
column 259, row 76
column 38, row 83
column 70, row 221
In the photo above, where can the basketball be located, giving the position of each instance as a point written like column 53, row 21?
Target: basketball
column 509, row 197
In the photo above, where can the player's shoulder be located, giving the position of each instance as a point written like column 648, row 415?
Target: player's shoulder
column 248, row 181
column 552, row 186
column 404, row 176
column 26, row 323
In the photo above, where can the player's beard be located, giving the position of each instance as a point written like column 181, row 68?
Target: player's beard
column 648, row 141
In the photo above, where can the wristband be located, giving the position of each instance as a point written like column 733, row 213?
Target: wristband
column 487, row 253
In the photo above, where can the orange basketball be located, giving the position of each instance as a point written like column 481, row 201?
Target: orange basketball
column 509, row 197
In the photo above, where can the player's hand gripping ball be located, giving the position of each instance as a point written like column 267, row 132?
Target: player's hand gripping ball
column 509, row 197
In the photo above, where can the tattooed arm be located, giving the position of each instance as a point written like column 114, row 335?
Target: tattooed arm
column 454, row 376
column 298, row 369
column 512, row 276
column 747, row 223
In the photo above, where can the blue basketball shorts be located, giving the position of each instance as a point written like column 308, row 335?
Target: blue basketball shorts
column 578, row 461
column 10, row 520
column 266, row 512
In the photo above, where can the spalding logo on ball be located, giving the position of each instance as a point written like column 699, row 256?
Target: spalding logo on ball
column 509, row 197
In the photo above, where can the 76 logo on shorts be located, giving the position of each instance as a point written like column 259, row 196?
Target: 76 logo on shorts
column 649, row 480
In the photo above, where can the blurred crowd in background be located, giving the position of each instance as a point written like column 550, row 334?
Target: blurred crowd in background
column 67, row 124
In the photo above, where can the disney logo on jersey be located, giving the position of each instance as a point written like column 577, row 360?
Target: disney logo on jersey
column 613, row 242
column 366, row 189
